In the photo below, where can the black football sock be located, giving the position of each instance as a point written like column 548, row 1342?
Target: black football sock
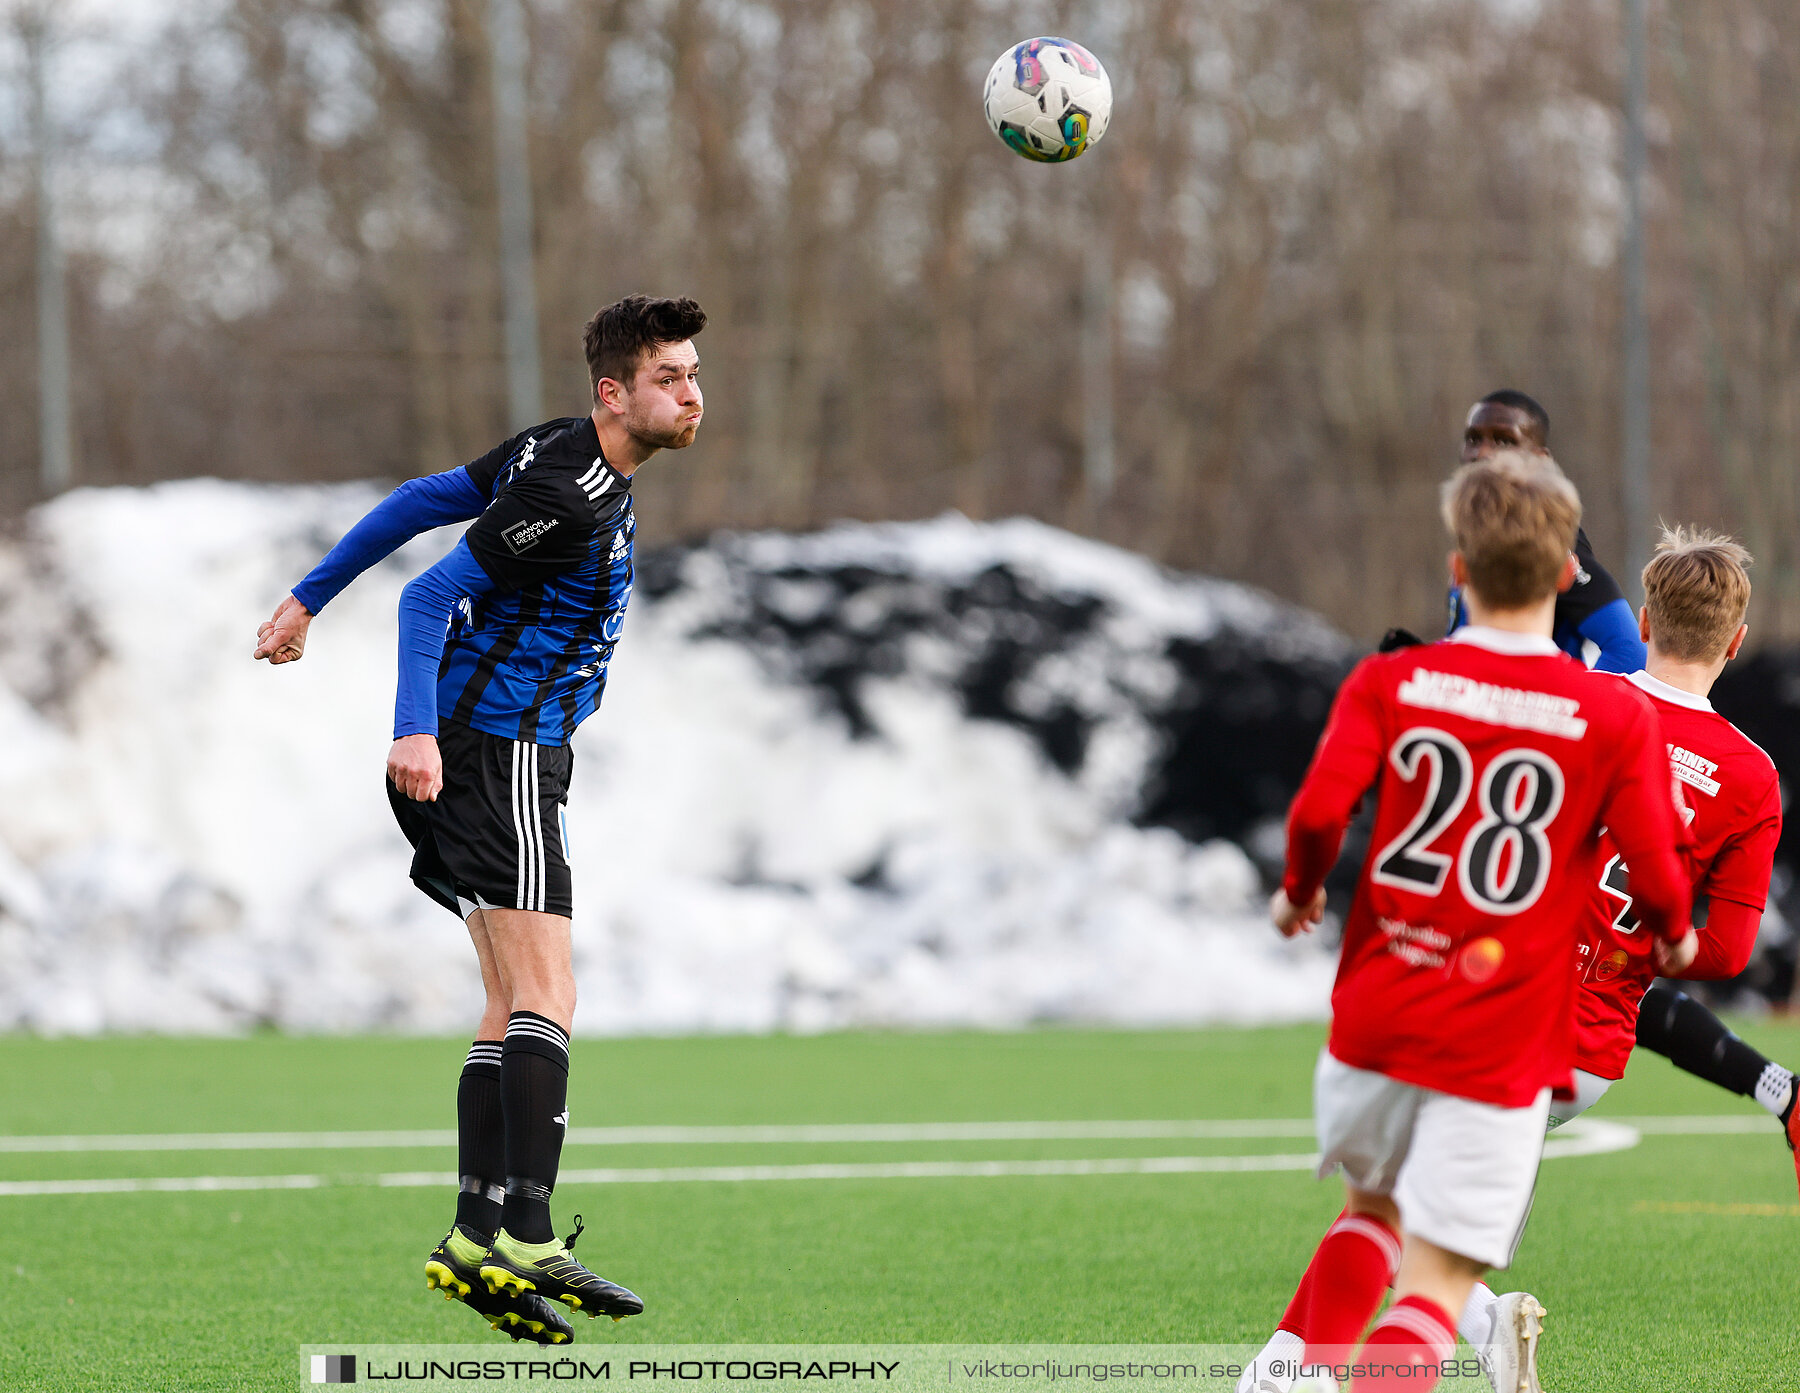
column 534, row 1091
column 480, row 1142
column 1675, row 1025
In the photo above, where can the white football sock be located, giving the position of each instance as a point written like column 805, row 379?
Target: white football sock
column 1284, row 1348
column 1477, row 1315
column 1775, row 1089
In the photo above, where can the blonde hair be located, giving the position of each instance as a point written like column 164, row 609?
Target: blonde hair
column 1513, row 516
column 1696, row 588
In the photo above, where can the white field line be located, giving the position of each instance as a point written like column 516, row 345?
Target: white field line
column 904, row 1170
column 1583, row 1137
column 1213, row 1129
column 165, row 1183
column 1701, row 1126
column 1589, row 1136
column 688, row 1136
column 663, row 1175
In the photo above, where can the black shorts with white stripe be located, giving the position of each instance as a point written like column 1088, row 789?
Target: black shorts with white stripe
column 497, row 836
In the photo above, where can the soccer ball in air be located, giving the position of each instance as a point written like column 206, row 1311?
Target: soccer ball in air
column 1049, row 99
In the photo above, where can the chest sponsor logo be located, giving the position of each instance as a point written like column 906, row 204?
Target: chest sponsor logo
column 1492, row 705
column 1694, row 770
column 522, row 536
column 1417, row 944
column 1611, row 965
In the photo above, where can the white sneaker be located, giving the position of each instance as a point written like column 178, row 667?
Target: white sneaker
column 1509, row 1355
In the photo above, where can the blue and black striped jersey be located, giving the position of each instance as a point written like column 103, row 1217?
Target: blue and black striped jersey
column 527, row 660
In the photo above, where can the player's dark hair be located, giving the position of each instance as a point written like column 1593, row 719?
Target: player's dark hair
column 1518, row 401
column 617, row 338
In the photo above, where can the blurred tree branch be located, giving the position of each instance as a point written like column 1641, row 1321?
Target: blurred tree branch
column 1332, row 224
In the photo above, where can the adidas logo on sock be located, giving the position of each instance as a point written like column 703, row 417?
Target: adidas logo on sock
column 562, row 1119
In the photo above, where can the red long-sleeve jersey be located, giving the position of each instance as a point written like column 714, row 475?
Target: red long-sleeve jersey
column 1734, row 795
column 1495, row 761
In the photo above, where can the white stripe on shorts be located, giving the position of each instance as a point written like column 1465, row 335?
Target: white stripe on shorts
column 519, row 899
column 537, row 834
column 528, row 827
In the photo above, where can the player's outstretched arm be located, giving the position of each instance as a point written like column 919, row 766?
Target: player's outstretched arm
column 282, row 638
column 416, row 506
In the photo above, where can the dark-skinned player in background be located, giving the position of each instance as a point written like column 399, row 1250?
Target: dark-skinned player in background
column 1494, row 760
column 1593, row 609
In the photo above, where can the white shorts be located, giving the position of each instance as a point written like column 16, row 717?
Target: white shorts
column 1461, row 1172
column 1589, row 1089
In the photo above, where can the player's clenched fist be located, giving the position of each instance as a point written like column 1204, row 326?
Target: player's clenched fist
column 1672, row 959
column 416, row 767
column 1291, row 918
column 282, row 639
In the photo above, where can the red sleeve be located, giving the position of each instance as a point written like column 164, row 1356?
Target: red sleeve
column 1737, row 883
column 1640, row 816
column 1345, row 764
column 1725, row 943
column 1742, row 868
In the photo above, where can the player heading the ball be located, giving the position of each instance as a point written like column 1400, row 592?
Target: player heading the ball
column 504, row 649
column 1495, row 760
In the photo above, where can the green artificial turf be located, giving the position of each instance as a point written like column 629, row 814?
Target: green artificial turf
column 1672, row 1264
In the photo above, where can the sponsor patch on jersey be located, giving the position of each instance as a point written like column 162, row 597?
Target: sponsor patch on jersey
column 1496, row 706
column 522, row 536
column 1417, row 944
column 1610, row 966
column 1692, row 769
column 1481, row 959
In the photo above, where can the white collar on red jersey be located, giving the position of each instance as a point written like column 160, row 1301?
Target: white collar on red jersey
column 1506, row 641
column 1662, row 691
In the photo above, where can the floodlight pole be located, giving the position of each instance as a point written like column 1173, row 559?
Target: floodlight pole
column 1097, row 365
column 1099, row 25
column 1635, row 395
column 512, row 167
column 55, row 452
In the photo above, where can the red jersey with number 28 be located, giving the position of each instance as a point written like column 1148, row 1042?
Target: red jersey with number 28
column 1495, row 760
column 1734, row 797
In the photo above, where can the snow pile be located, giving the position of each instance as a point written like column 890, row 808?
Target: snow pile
column 925, row 774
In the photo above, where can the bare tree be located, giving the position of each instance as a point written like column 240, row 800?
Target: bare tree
column 1322, row 230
